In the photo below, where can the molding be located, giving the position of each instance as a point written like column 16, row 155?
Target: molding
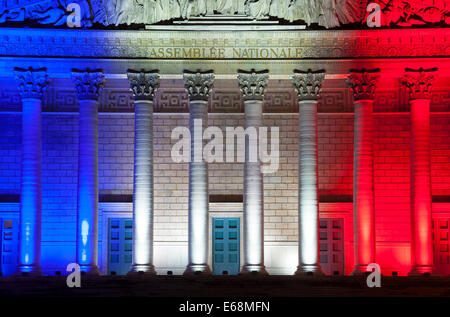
column 223, row 45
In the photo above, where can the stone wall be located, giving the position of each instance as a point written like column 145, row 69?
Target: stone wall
column 116, row 135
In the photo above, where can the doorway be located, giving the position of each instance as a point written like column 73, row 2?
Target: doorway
column 120, row 246
column 331, row 235
column 9, row 245
column 226, row 246
column 441, row 246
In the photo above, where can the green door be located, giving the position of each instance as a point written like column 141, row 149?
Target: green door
column 120, row 246
column 9, row 245
column 226, row 246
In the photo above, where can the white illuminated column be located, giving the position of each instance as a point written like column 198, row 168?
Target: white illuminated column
column 419, row 82
column 253, row 85
column 31, row 84
column 308, row 86
column 88, row 84
column 198, row 85
column 143, row 85
column 363, row 84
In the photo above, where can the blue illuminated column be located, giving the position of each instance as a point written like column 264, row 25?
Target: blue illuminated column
column 88, row 84
column 308, row 85
column 198, row 85
column 31, row 84
column 253, row 85
column 143, row 85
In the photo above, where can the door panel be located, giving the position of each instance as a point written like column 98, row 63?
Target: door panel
column 9, row 252
column 331, row 236
column 120, row 246
column 441, row 246
column 226, row 246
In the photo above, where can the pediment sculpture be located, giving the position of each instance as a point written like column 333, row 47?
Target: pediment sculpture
column 325, row 13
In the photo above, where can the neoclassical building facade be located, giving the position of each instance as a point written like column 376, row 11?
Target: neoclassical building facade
column 90, row 117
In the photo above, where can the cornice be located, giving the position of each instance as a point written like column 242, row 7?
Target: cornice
column 306, row 44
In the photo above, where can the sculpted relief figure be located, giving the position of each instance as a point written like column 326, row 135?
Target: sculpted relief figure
column 408, row 13
column 327, row 13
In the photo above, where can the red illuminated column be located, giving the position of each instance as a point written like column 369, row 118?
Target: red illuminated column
column 88, row 84
column 143, row 84
column 31, row 84
column 419, row 84
column 308, row 86
column 362, row 84
column 253, row 85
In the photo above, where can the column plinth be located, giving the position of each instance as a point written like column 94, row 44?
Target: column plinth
column 88, row 85
column 198, row 85
column 143, row 84
column 363, row 84
column 308, row 87
column 252, row 85
column 419, row 83
column 31, row 84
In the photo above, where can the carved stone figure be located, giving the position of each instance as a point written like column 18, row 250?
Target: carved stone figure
column 415, row 12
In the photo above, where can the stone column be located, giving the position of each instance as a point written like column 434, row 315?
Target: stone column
column 419, row 84
column 198, row 85
column 362, row 84
column 143, row 85
column 88, row 84
column 31, row 83
column 253, row 85
column 308, row 86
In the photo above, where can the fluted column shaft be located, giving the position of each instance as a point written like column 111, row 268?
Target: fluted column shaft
column 143, row 85
column 31, row 186
column 422, row 235
column 252, row 85
column 88, row 84
column 31, row 84
column 198, row 189
column 198, row 85
column 363, row 192
column 143, row 188
column 87, row 220
column 308, row 192
column 419, row 83
column 253, row 196
column 308, row 86
column 363, row 84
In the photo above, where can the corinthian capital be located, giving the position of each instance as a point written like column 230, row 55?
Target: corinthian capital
column 308, row 84
column 253, row 83
column 88, row 83
column 31, row 82
column 143, row 83
column 419, row 82
column 363, row 83
column 198, row 84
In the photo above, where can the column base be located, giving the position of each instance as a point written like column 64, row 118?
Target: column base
column 147, row 270
column 89, row 270
column 309, row 270
column 197, row 269
column 248, row 269
column 422, row 270
column 28, row 270
column 360, row 269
